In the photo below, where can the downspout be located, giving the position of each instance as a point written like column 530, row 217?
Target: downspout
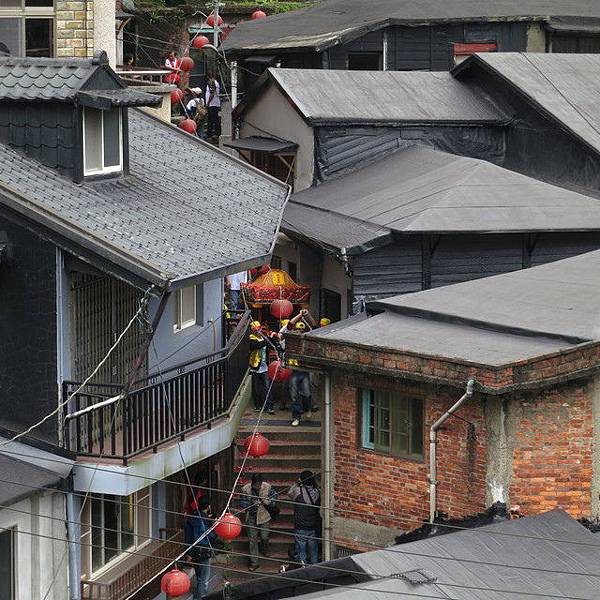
column 327, row 495
column 74, row 548
column 433, row 439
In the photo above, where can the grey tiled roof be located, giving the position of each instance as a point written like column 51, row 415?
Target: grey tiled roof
column 124, row 97
column 43, row 78
column 186, row 209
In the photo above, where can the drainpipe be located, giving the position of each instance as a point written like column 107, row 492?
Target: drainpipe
column 73, row 548
column 433, row 438
column 327, row 495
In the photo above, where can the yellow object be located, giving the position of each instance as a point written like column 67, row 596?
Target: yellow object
column 285, row 322
column 255, row 356
column 292, row 362
column 300, row 325
column 324, row 322
column 255, row 325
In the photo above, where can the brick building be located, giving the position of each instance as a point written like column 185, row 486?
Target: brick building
column 527, row 436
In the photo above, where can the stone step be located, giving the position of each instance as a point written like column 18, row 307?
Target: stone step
column 286, row 462
column 287, row 434
column 287, row 446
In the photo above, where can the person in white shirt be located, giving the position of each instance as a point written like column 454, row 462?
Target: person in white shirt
column 212, row 100
column 195, row 101
column 172, row 63
column 234, row 283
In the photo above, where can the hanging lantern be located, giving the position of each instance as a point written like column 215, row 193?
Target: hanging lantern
column 211, row 21
column 186, row 64
column 229, row 527
column 199, row 42
column 258, row 14
column 264, row 269
column 257, row 445
column 282, row 309
column 278, row 372
column 176, row 96
column 188, row 125
column 175, row 583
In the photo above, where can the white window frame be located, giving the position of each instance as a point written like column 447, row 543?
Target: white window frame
column 86, row 537
column 104, row 170
column 180, row 324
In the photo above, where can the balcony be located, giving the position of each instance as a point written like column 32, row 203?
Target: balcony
column 103, row 422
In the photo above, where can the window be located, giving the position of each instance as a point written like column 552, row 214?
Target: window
column 7, row 564
column 185, row 308
column 27, row 27
column 102, row 141
column 392, row 424
column 113, row 525
column 365, row 61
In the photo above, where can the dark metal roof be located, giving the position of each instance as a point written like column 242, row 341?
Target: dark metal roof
column 333, row 229
column 564, row 87
column 187, row 210
column 516, row 559
column 328, row 96
column 419, row 189
column 262, row 144
column 104, row 99
column 26, row 478
column 496, row 320
column 336, row 21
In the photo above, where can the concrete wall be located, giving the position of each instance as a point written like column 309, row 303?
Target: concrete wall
column 536, row 37
column 38, row 559
column 105, row 37
column 273, row 115
column 334, row 278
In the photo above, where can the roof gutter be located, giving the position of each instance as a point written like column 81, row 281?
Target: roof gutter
column 433, row 440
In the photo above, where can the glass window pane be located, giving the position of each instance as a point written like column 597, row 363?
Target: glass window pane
column 382, row 424
column 97, row 538
column 111, row 526
column 38, row 38
column 10, row 32
column 416, row 438
column 112, row 137
column 127, row 509
column 7, row 573
column 11, row 4
column 187, row 305
column 400, row 425
column 92, row 125
column 39, row 2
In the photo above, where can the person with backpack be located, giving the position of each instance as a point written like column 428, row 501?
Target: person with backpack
column 197, row 522
column 257, row 361
column 307, row 497
column 259, row 503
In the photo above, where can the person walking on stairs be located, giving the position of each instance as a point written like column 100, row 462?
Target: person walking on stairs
column 306, row 518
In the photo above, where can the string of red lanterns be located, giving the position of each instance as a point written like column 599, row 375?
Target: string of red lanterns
column 175, row 583
column 258, row 14
column 228, row 527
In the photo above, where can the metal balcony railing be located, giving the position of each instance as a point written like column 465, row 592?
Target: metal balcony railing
column 160, row 408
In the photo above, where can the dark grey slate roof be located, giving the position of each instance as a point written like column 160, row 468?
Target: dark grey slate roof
column 64, row 80
column 565, row 87
column 496, row 320
column 336, row 21
column 187, row 210
column 25, row 476
column 545, row 557
column 419, row 189
column 333, row 229
column 262, row 144
column 329, row 96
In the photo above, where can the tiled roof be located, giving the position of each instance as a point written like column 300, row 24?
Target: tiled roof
column 186, row 210
column 43, row 78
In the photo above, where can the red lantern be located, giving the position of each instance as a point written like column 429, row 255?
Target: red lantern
column 282, row 309
column 257, row 445
column 186, row 64
column 175, row 583
column 188, row 125
column 278, row 372
column 199, row 42
column 211, row 21
column 176, row 96
column 258, row 14
column 264, row 269
column 229, row 527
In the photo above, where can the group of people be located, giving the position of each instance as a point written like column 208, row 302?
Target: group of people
column 259, row 502
column 202, row 105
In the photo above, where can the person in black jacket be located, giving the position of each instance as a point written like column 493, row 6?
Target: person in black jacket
column 306, row 517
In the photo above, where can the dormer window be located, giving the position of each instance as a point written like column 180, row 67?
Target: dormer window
column 102, row 141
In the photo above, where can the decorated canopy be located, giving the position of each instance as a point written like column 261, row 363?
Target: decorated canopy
column 275, row 285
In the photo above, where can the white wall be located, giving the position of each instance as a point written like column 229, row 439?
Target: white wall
column 272, row 115
column 334, row 278
column 105, row 34
column 39, row 558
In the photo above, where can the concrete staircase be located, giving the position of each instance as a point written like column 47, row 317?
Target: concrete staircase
column 292, row 450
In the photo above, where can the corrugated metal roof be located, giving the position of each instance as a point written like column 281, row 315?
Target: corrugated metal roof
column 566, row 87
column 538, row 557
column 333, row 229
column 226, row 213
column 419, row 189
column 327, row 96
column 335, row 21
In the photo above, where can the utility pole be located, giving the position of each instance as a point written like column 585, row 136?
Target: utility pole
column 216, row 5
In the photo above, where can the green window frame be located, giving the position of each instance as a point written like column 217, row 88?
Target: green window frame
column 392, row 423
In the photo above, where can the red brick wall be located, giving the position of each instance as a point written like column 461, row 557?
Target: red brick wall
column 552, row 460
column 393, row 492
